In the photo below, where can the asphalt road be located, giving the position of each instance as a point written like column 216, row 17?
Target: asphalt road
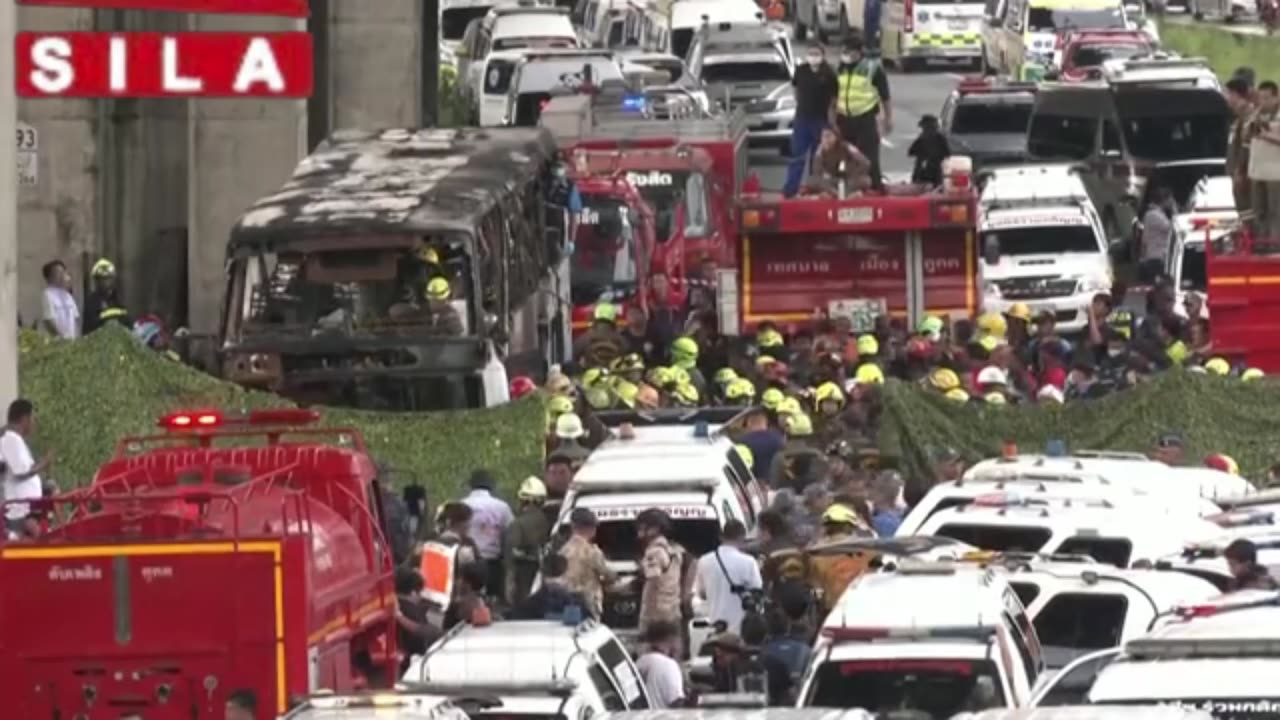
column 914, row 94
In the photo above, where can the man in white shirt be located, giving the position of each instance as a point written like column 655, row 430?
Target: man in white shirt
column 59, row 314
column 657, row 665
column 21, row 471
column 725, row 575
column 490, row 517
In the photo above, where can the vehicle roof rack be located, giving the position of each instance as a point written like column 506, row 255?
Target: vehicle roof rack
column 596, row 485
column 1111, row 455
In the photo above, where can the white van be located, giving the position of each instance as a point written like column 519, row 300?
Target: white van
column 1133, row 469
column 1113, row 535
column 456, row 15
column 1222, row 657
column 889, row 643
column 1042, row 242
column 688, row 16
column 512, row 27
column 913, row 32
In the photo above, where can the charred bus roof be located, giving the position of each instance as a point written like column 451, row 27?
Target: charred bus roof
column 395, row 182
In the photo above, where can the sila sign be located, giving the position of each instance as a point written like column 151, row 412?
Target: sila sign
column 190, row 64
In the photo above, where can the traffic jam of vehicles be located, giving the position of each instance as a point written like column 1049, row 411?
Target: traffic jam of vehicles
column 715, row 531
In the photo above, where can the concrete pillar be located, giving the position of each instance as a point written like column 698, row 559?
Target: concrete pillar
column 8, row 214
column 238, row 150
column 374, row 60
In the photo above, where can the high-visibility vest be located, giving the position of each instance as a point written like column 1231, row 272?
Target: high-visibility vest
column 437, row 567
column 112, row 313
column 856, row 93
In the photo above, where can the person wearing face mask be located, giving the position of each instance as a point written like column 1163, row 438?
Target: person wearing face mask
column 815, row 91
column 563, row 193
column 862, row 96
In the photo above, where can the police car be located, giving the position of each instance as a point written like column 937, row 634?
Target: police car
column 987, row 119
column 1117, row 535
column 680, row 463
column 1221, row 656
column 1043, row 244
column 544, row 668
column 889, row 643
column 372, row 706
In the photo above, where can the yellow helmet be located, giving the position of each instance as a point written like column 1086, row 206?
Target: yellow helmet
column 438, row 289
column 790, row 406
column 745, row 453
column 684, row 352
column 869, row 373
column 957, row 394
column 1251, row 374
column 1177, row 352
column 868, row 344
column 103, row 268
column 532, row 489
column 740, row 389
column 628, row 363
column 944, row 379
column 599, row 398
column 559, row 405
column 992, row 324
column 1019, row 311
column 605, row 312
column 839, row 514
column 995, row 398
column 725, row 375
column 686, row 394
column 772, row 399
column 660, row 376
column 428, row 254
column 594, row 377
column 769, row 338
column 1217, row 366
column 829, row 391
column 799, row 425
column 680, row 376
column 627, row 392
column 765, row 361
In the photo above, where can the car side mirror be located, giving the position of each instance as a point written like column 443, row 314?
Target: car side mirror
column 991, row 250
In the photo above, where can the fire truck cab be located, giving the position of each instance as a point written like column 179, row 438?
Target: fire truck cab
column 615, row 246
column 900, row 255
column 214, row 557
column 678, row 155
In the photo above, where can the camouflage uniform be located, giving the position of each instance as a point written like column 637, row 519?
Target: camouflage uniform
column 660, row 599
column 522, row 547
column 587, row 573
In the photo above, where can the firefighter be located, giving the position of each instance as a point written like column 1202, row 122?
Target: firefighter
column 740, row 393
column 783, row 565
column 441, row 317
column 799, row 462
column 103, row 303
column 829, row 400
column 443, row 558
column 569, row 433
column 684, row 357
column 601, row 344
column 862, row 98
column 831, row 573
column 525, row 536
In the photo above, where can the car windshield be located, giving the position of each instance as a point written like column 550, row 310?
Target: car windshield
column 663, row 190
column 1061, row 136
column 603, row 261
column 617, row 538
column 1194, row 273
column 744, row 71
column 547, row 75
column 1001, row 538
column 1043, row 240
column 1163, row 125
column 1094, row 55
column 988, row 118
column 517, row 43
column 454, row 21
column 1044, row 20
column 939, row 688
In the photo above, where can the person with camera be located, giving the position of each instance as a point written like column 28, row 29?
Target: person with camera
column 728, row 579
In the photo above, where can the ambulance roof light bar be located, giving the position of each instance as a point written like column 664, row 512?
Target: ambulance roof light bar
column 1206, row 647
column 939, row 632
column 205, row 420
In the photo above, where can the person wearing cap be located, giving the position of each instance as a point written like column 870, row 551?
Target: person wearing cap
column 839, row 169
column 726, row 575
column 659, row 665
column 662, row 595
column 102, row 304
column 798, row 463
column 1170, row 450
column 1246, row 574
column 588, row 572
column 490, row 516
column 862, row 100
column 928, row 151
column 601, row 344
column 524, row 538
column 831, row 572
column 568, row 439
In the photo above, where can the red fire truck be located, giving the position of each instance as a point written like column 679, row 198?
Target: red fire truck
column 1243, row 277
column 615, row 246
column 904, row 255
column 695, row 162
column 214, row 557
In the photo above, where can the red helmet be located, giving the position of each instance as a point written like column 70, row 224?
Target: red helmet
column 1218, row 461
column 521, row 386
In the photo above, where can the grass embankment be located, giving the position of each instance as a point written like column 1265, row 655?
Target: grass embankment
column 1225, row 50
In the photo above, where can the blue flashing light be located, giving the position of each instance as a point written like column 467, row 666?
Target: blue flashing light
column 1056, row 448
column 701, row 430
column 634, row 103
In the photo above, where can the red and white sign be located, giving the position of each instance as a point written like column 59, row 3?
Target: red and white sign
column 282, row 8
column 197, row 64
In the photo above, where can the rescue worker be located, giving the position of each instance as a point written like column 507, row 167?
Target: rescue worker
column 601, row 344
column 587, row 571
column 524, row 539
column 103, row 302
column 454, row 523
column 521, row 386
column 829, row 402
column 799, row 462
column 441, row 317
column 1242, row 562
column 740, row 392
column 831, row 572
column 553, row 595
column 662, row 594
column 862, row 100
column 684, row 356
column 568, row 443
column 783, row 566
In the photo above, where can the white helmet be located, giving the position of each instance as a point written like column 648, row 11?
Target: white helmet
column 532, row 489
column 992, row 375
